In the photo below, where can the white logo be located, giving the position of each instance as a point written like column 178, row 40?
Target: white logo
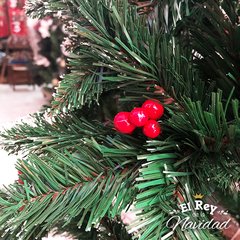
column 197, row 207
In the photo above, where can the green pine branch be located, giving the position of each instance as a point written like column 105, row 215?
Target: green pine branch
column 59, row 132
column 48, row 197
column 217, row 24
column 116, row 48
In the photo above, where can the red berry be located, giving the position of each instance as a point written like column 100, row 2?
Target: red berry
column 20, row 181
column 139, row 117
column 123, row 124
column 152, row 129
column 154, row 109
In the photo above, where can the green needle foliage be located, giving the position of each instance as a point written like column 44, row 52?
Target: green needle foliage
column 219, row 27
column 78, row 174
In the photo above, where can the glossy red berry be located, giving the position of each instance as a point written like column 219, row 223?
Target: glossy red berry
column 152, row 129
column 122, row 123
column 154, row 109
column 139, row 117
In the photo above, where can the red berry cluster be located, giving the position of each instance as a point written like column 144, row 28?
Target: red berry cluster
column 145, row 116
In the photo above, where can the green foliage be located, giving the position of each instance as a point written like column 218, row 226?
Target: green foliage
column 117, row 50
column 217, row 24
column 211, row 136
column 214, row 126
column 61, row 187
column 110, row 230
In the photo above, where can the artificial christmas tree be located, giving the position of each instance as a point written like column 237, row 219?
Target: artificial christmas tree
column 79, row 174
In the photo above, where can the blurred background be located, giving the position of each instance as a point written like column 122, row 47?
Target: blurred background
column 31, row 64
